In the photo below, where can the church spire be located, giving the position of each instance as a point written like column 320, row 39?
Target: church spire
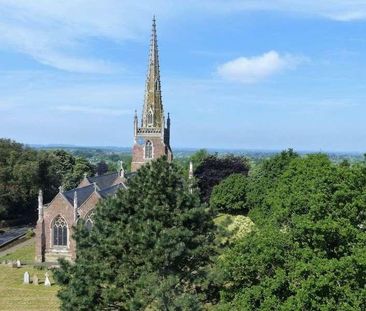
column 152, row 115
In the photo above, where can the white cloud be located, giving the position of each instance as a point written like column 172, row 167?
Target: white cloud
column 254, row 69
column 58, row 33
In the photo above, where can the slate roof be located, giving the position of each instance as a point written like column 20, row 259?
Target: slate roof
column 104, row 181
column 104, row 184
column 111, row 190
column 82, row 193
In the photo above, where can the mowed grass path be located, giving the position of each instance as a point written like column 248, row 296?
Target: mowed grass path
column 16, row 296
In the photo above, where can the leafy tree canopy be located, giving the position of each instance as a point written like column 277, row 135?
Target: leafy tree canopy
column 229, row 196
column 309, row 254
column 214, row 169
column 23, row 171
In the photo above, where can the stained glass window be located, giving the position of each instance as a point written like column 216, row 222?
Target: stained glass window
column 60, row 232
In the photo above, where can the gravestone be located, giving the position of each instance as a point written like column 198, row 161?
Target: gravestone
column 26, row 277
column 18, row 263
column 13, row 264
column 35, row 279
column 47, row 280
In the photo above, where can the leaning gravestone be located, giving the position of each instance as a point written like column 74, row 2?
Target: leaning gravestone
column 47, row 280
column 26, row 277
column 35, row 279
column 18, row 263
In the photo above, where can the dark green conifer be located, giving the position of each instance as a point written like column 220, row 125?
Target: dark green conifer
column 149, row 248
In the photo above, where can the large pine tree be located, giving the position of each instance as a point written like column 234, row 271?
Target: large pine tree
column 149, row 248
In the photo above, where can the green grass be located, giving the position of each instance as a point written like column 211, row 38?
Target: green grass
column 24, row 254
column 16, row 296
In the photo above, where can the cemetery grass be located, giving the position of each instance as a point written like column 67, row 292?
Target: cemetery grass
column 24, row 254
column 16, row 296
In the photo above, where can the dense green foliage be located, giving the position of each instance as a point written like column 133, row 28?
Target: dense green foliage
column 149, row 248
column 229, row 196
column 213, row 169
column 23, row 171
column 308, row 249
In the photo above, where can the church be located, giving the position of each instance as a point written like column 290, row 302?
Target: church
column 56, row 219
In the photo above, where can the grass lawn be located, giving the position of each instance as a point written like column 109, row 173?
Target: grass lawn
column 16, row 296
column 24, row 254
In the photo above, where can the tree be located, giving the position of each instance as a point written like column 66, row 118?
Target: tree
column 23, row 171
column 309, row 253
column 149, row 248
column 102, row 168
column 214, row 169
column 263, row 180
column 230, row 195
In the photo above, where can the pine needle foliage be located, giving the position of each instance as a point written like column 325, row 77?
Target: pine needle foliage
column 149, row 248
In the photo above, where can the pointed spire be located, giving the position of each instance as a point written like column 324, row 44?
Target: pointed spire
column 153, row 107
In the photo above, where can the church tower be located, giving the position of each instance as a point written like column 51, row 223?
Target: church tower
column 152, row 138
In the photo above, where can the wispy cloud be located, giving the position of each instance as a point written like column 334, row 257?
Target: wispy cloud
column 257, row 68
column 58, row 33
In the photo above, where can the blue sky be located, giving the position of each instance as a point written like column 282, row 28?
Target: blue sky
column 235, row 74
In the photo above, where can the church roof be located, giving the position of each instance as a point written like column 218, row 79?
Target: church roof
column 111, row 190
column 84, row 193
column 104, row 181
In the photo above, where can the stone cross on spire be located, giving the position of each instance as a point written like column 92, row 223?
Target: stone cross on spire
column 153, row 114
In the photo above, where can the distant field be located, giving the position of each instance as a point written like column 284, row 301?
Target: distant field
column 16, row 296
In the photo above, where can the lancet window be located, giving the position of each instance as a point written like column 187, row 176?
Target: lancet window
column 60, row 232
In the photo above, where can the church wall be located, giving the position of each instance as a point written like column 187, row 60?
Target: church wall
column 59, row 206
column 88, row 205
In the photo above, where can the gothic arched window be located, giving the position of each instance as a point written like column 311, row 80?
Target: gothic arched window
column 59, row 232
column 150, row 118
column 89, row 221
column 148, row 150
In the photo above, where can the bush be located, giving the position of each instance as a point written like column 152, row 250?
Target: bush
column 230, row 195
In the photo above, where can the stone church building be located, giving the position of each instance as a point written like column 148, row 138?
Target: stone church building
column 151, row 140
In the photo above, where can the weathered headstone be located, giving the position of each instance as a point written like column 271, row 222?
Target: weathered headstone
column 35, row 279
column 26, row 277
column 47, row 280
column 18, row 263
